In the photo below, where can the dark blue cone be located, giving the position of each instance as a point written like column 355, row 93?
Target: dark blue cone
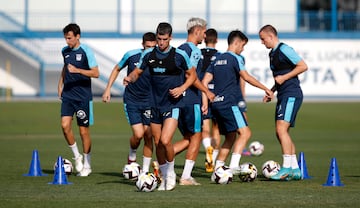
column 35, row 168
column 302, row 166
column 333, row 177
column 60, row 177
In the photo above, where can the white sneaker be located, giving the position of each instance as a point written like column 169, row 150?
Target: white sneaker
column 79, row 163
column 236, row 171
column 170, row 181
column 161, row 186
column 84, row 172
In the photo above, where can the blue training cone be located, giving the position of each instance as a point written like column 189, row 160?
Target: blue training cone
column 302, row 166
column 333, row 177
column 60, row 177
column 35, row 168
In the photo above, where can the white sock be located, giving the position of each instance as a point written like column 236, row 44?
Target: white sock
column 286, row 161
column 170, row 168
column 87, row 160
column 163, row 169
column 75, row 150
column 219, row 163
column 235, row 160
column 189, row 165
column 215, row 154
column 206, row 142
column 294, row 162
column 132, row 154
column 146, row 164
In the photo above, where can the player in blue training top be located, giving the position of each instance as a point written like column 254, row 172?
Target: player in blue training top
column 285, row 65
column 190, row 121
column 74, row 90
column 166, row 65
column 226, row 71
column 136, row 101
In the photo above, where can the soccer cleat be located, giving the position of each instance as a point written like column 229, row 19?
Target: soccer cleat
column 246, row 152
column 79, row 163
column 296, row 174
column 84, row 172
column 189, row 182
column 130, row 161
column 162, row 186
column 209, row 165
column 156, row 169
column 236, row 170
column 283, row 175
column 170, row 181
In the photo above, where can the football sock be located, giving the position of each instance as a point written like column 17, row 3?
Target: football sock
column 132, row 154
column 235, row 159
column 75, row 150
column 219, row 163
column 146, row 164
column 170, row 168
column 286, row 161
column 215, row 154
column 189, row 165
column 87, row 160
column 206, row 142
column 294, row 162
column 163, row 169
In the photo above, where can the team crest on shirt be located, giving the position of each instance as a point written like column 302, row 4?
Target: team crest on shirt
column 78, row 57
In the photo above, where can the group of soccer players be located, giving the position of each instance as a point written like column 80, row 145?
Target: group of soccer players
column 186, row 88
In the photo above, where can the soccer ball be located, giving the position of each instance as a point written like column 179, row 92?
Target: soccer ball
column 131, row 171
column 68, row 167
column 222, row 175
column 270, row 168
column 248, row 172
column 256, row 148
column 146, row 182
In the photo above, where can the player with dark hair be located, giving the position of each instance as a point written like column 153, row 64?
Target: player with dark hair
column 285, row 65
column 226, row 71
column 74, row 90
column 166, row 65
column 137, row 97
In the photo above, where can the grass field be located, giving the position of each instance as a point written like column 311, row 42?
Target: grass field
column 323, row 131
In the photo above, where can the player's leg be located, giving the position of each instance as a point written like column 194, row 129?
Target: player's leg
column 216, row 140
column 206, row 141
column 135, row 140
column 148, row 148
column 244, row 134
column 225, row 149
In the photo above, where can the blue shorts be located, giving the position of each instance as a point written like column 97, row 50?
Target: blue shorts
column 242, row 105
column 136, row 114
column 190, row 119
column 82, row 109
column 229, row 119
column 158, row 116
column 287, row 109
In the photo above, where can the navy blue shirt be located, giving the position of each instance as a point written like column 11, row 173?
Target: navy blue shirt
column 208, row 56
column 192, row 94
column 166, row 72
column 226, row 75
column 78, row 86
column 138, row 92
column 283, row 59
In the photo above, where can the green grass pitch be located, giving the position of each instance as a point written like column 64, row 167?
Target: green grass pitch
column 323, row 131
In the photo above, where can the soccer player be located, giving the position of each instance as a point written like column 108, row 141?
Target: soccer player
column 226, row 71
column 74, row 90
column 191, row 117
column 166, row 65
column 210, row 131
column 136, row 101
column 285, row 65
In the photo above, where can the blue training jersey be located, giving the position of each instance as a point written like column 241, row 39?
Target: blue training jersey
column 192, row 94
column 283, row 59
column 166, row 72
column 78, row 86
column 226, row 76
column 208, row 56
column 137, row 93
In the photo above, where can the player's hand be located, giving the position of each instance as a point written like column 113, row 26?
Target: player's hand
column 106, row 97
column 210, row 95
column 280, row 79
column 127, row 81
column 176, row 92
column 73, row 69
column 204, row 108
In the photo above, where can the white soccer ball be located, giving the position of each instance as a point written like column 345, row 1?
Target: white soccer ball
column 256, row 148
column 146, row 182
column 222, row 175
column 68, row 166
column 270, row 168
column 131, row 171
column 248, row 172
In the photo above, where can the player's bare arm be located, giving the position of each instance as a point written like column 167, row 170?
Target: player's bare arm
column 133, row 76
column 61, row 82
column 107, row 92
column 93, row 72
column 190, row 79
column 300, row 68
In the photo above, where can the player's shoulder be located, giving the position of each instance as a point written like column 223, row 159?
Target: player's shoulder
column 133, row 52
